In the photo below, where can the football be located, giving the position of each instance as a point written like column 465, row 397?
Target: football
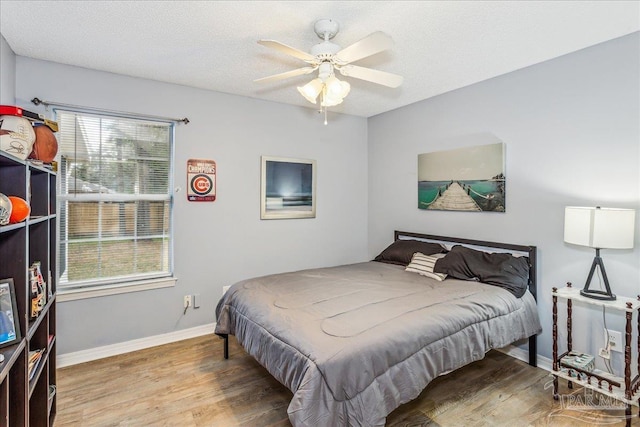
column 45, row 147
column 16, row 136
column 20, row 210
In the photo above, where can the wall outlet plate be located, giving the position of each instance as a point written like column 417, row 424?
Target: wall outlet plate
column 187, row 301
column 196, row 301
column 615, row 340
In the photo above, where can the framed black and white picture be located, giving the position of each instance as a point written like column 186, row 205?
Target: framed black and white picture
column 9, row 321
column 288, row 188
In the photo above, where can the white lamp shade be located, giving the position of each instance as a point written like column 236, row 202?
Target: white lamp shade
column 334, row 91
column 336, row 88
column 603, row 228
column 311, row 90
column 331, row 102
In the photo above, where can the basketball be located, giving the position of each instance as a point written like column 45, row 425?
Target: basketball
column 16, row 136
column 20, row 210
column 45, row 147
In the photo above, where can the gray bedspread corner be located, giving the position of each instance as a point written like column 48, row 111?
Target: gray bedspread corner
column 222, row 319
column 355, row 342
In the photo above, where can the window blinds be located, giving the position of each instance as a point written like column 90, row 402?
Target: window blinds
column 115, row 199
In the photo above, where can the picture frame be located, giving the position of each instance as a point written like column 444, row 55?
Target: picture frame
column 288, row 188
column 468, row 179
column 9, row 319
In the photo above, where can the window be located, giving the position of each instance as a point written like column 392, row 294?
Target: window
column 115, row 200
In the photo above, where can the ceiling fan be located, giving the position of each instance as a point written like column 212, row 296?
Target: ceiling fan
column 327, row 58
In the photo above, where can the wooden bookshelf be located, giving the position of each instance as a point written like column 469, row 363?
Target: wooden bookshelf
column 25, row 401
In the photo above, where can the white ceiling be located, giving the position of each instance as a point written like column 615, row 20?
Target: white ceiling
column 439, row 45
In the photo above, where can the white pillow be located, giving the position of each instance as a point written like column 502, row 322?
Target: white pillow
column 423, row 265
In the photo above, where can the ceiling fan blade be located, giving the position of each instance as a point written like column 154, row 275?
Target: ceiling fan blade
column 307, row 57
column 370, row 45
column 371, row 75
column 286, row 75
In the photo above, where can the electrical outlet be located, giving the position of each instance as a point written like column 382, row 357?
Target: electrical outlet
column 196, row 300
column 615, row 340
column 604, row 353
column 187, row 301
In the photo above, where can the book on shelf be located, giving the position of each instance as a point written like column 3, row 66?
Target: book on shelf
column 51, row 124
column 573, row 373
column 582, row 361
column 38, row 286
column 35, row 356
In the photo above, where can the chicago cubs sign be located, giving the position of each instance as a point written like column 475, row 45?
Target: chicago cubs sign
column 201, row 180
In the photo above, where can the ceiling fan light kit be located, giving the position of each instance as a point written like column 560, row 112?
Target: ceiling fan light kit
column 311, row 90
column 327, row 57
column 334, row 92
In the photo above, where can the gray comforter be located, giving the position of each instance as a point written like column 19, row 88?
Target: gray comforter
column 354, row 342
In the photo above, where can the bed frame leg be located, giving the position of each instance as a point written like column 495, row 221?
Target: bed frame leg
column 533, row 351
column 225, row 337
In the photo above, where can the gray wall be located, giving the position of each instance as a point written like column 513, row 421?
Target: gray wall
column 570, row 125
column 217, row 243
column 572, row 132
column 7, row 73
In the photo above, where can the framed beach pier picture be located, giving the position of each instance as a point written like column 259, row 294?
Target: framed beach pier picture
column 463, row 179
column 288, row 188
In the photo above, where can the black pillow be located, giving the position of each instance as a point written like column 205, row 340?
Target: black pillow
column 400, row 252
column 503, row 270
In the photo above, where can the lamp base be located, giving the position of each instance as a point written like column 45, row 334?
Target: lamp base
column 595, row 294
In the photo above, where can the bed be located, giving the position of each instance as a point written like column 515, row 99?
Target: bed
column 354, row 342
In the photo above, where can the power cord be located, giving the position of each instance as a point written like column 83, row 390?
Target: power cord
column 607, row 362
column 186, row 307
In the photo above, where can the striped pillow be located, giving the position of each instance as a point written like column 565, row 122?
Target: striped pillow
column 423, row 265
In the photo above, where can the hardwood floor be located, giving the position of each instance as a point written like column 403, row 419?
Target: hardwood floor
column 189, row 383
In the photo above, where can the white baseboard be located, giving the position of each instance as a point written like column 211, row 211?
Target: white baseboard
column 520, row 354
column 91, row 354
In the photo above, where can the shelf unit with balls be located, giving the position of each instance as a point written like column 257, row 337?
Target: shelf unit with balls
column 27, row 396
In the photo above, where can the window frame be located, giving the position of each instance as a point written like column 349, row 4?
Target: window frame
column 91, row 288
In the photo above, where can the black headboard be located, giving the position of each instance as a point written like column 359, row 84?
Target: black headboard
column 526, row 249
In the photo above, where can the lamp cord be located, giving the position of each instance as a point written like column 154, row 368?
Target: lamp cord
column 607, row 362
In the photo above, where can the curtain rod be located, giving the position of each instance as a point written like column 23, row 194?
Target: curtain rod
column 38, row 101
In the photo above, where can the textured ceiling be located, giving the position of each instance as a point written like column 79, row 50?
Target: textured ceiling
column 439, row 45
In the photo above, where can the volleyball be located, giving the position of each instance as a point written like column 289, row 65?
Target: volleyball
column 16, row 136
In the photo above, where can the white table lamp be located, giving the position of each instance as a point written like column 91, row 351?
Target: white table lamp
column 599, row 228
